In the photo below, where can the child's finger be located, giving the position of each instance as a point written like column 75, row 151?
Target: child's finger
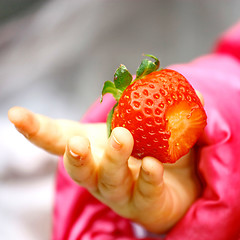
column 149, row 185
column 115, row 178
column 49, row 134
column 79, row 163
column 25, row 121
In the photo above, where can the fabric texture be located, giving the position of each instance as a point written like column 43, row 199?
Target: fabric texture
column 216, row 214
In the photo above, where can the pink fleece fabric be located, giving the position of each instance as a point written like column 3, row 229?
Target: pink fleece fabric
column 216, row 214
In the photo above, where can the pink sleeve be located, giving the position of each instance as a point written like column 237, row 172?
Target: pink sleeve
column 229, row 42
column 216, row 214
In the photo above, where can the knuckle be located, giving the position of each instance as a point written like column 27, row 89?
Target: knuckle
column 77, row 180
column 141, row 191
column 107, row 187
column 111, row 158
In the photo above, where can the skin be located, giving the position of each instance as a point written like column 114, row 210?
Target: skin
column 146, row 191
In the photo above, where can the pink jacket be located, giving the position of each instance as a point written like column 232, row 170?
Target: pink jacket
column 216, row 214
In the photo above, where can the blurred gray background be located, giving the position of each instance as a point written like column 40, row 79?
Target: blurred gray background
column 54, row 58
column 55, row 55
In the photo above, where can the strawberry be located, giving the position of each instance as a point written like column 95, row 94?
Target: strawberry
column 160, row 108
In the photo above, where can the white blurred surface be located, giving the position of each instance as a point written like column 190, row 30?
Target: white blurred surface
column 26, row 187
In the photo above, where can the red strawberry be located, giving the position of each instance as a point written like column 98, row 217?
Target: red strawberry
column 160, row 109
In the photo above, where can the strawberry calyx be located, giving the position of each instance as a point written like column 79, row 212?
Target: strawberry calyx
column 147, row 66
column 123, row 78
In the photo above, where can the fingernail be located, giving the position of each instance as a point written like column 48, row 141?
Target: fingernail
column 115, row 143
column 145, row 169
column 23, row 133
column 73, row 154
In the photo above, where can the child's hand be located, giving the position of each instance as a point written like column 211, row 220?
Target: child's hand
column 147, row 192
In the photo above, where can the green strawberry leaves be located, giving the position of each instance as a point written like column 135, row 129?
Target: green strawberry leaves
column 122, row 79
column 109, row 120
column 109, row 87
column 147, row 66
